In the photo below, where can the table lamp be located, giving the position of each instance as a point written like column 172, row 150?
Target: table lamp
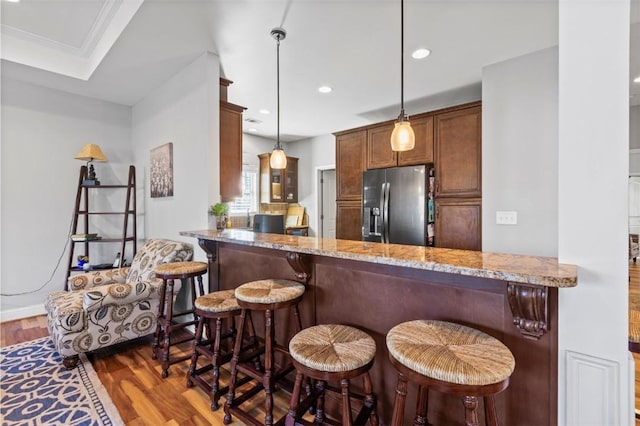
column 89, row 153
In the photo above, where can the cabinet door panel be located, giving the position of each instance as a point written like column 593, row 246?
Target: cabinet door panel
column 422, row 153
column 458, row 224
column 350, row 152
column 458, row 153
column 349, row 220
column 379, row 153
column 230, row 151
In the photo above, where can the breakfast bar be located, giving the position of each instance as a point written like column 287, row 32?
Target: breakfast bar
column 376, row 286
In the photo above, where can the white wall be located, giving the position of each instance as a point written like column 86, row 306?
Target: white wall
column 252, row 146
column 634, row 127
column 42, row 130
column 312, row 153
column 520, row 153
column 184, row 111
column 595, row 375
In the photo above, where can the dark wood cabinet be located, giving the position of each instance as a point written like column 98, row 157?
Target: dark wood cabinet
column 458, row 159
column 349, row 220
column 422, row 153
column 450, row 139
column 278, row 185
column 458, row 223
column 350, row 163
column 380, row 155
column 230, row 146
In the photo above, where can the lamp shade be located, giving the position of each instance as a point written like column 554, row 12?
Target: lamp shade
column 278, row 159
column 91, row 152
column 402, row 137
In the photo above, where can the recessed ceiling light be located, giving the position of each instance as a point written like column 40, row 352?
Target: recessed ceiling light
column 264, row 111
column 252, row 130
column 421, row 53
column 13, row 1
column 637, row 79
column 324, row 89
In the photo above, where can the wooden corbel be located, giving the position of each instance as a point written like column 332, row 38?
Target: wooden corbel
column 529, row 306
column 301, row 264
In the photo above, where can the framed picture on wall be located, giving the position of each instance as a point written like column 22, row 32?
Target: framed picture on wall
column 161, row 171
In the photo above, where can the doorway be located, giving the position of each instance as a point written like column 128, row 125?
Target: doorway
column 327, row 203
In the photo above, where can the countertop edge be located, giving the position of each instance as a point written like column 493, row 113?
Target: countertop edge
column 565, row 275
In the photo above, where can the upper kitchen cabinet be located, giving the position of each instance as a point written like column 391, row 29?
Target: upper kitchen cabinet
column 230, row 146
column 380, row 155
column 458, row 223
column 278, row 185
column 458, row 152
column 350, row 163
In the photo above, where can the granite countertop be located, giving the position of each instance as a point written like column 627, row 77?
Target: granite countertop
column 544, row 271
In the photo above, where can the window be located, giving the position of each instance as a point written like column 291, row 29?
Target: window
column 249, row 200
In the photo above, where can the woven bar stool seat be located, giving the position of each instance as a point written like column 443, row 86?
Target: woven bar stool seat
column 450, row 358
column 329, row 353
column 167, row 323
column 213, row 307
column 264, row 296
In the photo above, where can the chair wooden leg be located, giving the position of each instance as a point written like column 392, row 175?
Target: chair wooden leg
column 470, row 410
column 267, row 379
column 422, row 407
column 370, row 399
column 215, row 386
column 399, row 401
column 292, row 415
column 490, row 415
column 346, row 403
column 70, row 361
column 234, row 368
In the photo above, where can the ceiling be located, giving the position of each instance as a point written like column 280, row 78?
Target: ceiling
column 120, row 50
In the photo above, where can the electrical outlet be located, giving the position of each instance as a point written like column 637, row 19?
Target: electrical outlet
column 506, row 218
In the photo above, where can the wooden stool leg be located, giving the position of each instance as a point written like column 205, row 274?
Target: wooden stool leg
column 237, row 347
column 490, row 415
column 370, row 399
column 200, row 285
column 215, row 396
column 346, row 403
column 470, row 410
column 267, row 379
column 158, row 332
column 194, row 356
column 398, row 403
column 320, row 402
column 292, row 415
column 422, row 406
column 167, row 331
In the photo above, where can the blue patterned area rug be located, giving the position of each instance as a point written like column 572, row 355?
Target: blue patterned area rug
column 36, row 389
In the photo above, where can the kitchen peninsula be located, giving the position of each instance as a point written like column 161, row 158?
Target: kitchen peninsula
column 375, row 286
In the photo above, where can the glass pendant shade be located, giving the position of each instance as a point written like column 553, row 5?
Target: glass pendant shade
column 402, row 137
column 278, row 159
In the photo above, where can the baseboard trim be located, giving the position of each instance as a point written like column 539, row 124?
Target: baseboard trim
column 20, row 313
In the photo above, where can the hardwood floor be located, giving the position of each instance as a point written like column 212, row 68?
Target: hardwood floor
column 142, row 397
column 134, row 382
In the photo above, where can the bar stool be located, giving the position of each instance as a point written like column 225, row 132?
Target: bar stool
column 167, row 322
column 211, row 307
column 265, row 296
column 452, row 359
column 332, row 352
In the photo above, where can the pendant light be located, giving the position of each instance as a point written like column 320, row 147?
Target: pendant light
column 278, row 159
column 402, row 137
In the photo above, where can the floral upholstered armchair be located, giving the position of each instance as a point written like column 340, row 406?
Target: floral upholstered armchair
column 102, row 308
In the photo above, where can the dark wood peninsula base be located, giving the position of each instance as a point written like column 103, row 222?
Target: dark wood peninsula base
column 355, row 283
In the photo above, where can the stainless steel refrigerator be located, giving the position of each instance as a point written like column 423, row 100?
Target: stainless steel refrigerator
column 398, row 205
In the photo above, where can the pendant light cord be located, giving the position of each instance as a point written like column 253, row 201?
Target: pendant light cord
column 278, row 90
column 401, row 118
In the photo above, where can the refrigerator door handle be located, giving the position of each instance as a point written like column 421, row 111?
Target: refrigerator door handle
column 383, row 219
column 387, row 187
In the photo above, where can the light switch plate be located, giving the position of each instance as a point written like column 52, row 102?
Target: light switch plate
column 506, row 218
